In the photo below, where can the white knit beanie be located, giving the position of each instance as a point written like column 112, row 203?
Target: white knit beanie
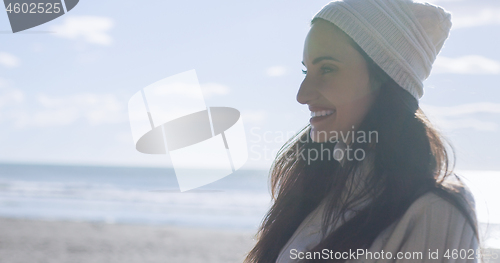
column 401, row 36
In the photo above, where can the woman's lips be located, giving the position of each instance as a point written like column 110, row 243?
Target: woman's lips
column 320, row 108
column 321, row 116
column 321, row 113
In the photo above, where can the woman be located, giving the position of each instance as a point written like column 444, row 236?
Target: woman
column 368, row 180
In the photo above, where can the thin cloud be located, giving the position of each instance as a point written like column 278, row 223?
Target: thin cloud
column 10, row 100
column 464, row 123
column 189, row 90
column 90, row 29
column 276, row 71
column 10, row 96
column 475, row 65
column 49, row 111
column 253, row 116
column 95, row 108
column 3, row 83
column 469, row 108
column 8, row 60
column 438, row 1
column 483, row 17
column 211, row 89
column 459, row 117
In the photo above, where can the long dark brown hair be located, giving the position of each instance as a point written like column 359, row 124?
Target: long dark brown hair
column 410, row 159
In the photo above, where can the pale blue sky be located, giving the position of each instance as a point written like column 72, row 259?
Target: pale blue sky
column 63, row 95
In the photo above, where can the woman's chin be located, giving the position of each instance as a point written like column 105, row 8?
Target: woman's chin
column 319, row 135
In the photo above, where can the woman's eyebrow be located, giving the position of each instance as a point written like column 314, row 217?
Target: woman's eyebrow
column 318, row 59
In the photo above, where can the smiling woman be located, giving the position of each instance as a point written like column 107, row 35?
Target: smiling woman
column 400, row 202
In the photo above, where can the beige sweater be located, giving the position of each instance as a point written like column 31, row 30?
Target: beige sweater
column 431, row 230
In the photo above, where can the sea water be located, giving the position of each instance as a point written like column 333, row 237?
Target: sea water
column 151, row 196
column 131, row 195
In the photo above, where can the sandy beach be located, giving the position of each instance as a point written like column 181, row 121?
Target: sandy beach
column 30, row 241
column 35, row 241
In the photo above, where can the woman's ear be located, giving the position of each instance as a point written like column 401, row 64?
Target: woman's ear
column 378, row 79
column 375, row 83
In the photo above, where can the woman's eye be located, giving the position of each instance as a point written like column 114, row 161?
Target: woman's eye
column 323, row 70
column 326, row 69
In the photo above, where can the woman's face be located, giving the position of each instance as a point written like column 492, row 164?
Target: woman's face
column 337, row 86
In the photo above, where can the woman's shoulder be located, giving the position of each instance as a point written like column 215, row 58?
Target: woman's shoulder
column 436, row 205
column 433, row 221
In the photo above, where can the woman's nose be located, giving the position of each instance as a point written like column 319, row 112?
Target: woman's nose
column 306, row 92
